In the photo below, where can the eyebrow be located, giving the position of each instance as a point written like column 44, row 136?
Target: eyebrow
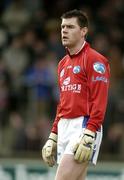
column 67, row 25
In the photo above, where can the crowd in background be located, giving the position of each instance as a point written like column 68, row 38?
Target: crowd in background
column 30, row 49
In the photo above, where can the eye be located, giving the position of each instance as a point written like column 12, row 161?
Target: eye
column 70, row 26
column 62, row 26
column 67, row 26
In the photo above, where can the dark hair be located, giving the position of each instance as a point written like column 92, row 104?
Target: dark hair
column 81, row 17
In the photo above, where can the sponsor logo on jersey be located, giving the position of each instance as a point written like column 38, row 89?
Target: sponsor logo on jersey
column 99, row 67
column 66, row 86
column 76, row 69
column 62, row 72
column 75, row 88
column 99, row 78
column 66, row 81
column 69, row 67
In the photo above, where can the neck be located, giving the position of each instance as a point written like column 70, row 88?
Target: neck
column 77, row 48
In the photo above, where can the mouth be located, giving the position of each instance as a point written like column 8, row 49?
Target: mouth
column 65, row 38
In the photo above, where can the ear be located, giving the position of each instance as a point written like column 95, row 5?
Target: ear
column 84, row 31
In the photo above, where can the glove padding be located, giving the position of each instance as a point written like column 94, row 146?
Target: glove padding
column 84, row 148
column 49, row 150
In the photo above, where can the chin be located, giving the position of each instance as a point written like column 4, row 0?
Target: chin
column 65, row 44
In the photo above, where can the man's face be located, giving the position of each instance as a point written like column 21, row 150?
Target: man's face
column 71, row 32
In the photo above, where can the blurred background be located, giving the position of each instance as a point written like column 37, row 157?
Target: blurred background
column 30, row 49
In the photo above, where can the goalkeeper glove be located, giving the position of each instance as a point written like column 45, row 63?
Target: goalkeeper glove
column 49, row 150
column 84, row 148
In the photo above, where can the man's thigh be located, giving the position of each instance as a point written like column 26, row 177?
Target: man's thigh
column 68, row 133
column 69, row 169
column 67, row 137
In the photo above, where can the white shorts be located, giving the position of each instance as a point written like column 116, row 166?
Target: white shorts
column 69, row 132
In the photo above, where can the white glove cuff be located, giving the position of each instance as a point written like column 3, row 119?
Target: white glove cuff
column 53, row 137
column 89, row 132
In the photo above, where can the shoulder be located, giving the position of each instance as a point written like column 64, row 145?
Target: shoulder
column 62, row 61
column 94, row 56
column 96, row 61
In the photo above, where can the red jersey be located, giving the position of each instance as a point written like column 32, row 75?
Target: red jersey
column 83, row 82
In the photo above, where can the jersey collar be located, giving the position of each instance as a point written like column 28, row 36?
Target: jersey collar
column 85, row 44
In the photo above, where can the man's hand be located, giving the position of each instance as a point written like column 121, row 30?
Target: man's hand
column 49, row 150
column 84, row 148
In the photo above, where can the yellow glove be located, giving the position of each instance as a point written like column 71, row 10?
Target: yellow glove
column 84, row 148
column 49, row 150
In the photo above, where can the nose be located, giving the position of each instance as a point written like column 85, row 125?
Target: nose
column 64, row 30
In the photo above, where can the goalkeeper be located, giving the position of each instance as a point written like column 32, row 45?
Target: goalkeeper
column 83, row 78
